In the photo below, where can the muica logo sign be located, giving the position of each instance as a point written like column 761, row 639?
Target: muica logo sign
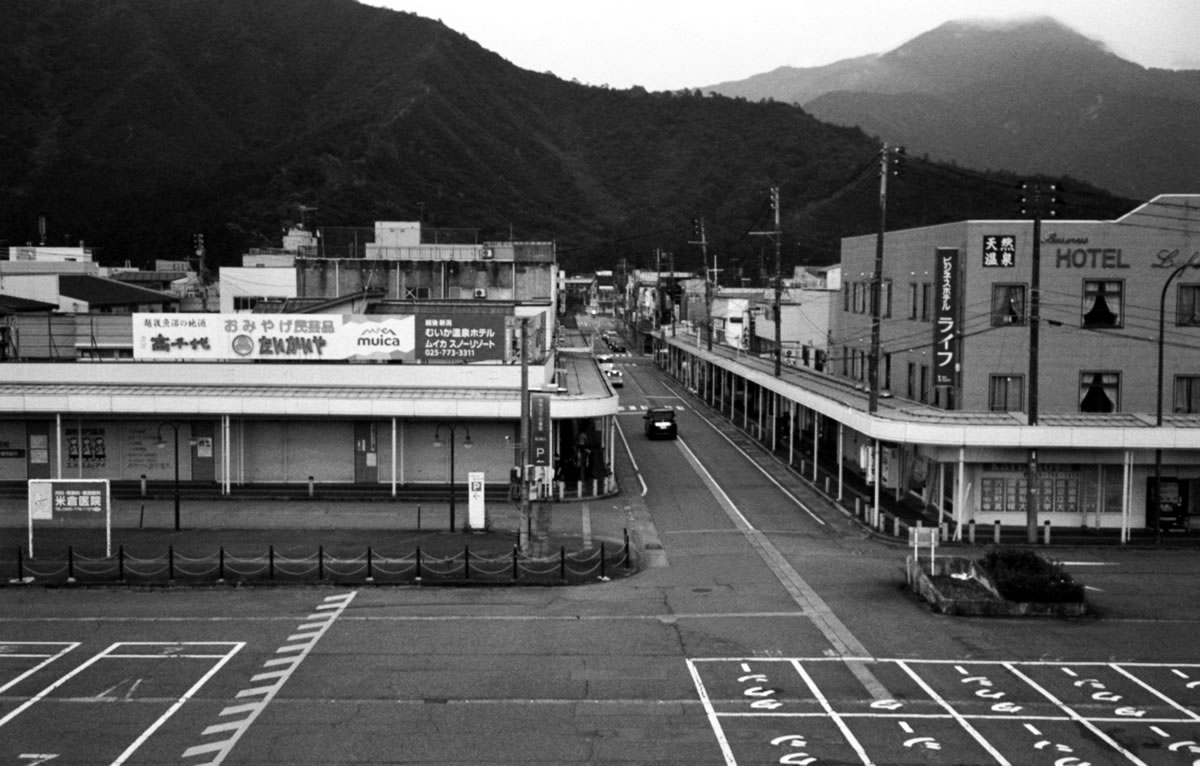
column 379, row 336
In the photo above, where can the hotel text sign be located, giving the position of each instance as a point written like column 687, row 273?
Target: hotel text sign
column 946, row 333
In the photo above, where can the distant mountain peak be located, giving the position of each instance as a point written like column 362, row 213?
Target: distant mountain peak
column 1028, row 94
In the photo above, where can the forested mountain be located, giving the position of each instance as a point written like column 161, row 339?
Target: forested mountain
column 1031, row 96
column 134, row 124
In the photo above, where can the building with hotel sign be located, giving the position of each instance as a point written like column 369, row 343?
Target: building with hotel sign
column 949, row 423
column 955, row 357
column 342, row 371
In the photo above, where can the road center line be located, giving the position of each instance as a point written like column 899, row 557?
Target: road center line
column 823, row 618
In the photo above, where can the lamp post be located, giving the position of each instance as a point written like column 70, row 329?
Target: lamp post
column 1158, row 416
column 163, row 443
column 451, row 428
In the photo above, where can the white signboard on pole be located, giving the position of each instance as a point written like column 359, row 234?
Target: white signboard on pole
column 51, row 499
column 476, row 509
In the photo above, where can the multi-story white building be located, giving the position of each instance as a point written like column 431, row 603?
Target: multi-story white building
column 350, row 380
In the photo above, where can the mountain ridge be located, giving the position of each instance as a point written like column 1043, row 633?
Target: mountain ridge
column 962, row 93
column 134, row 124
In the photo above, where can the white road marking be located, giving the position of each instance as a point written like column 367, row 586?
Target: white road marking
column 823, row 618
column 331, row 609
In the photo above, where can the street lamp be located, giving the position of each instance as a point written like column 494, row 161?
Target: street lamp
column 1158, row 417
column 451, row 428
column 163, row 443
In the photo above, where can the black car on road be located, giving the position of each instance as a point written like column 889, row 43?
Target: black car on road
column 660, row 423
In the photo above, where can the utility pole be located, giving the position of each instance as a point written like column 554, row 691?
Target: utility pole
column 658, row 297
column 674, row 287
column 877, row 287
column 698, row 231
column 776, row 234
column 709, row 289
column 201, row 255
column 524, row 534
column 1031, row 203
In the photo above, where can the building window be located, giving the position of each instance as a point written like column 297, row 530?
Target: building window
column 1103, row 303
column 913, row 303
column 1099, row 392
column 887, row 372
column 1187, row 393
column 924, row 393
column 926, row 300
column 1008, row 305
column 846, row 296
column 245, row 302
column 1006, row 393
column 912, row 381
column 1188, row 311
column 886, row 292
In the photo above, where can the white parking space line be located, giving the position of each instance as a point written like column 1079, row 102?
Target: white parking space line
column 298, row 648
column 757, row 710
column 219, row 651
column 179, row 702
column 26, row 650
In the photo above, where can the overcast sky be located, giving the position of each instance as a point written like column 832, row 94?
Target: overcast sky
column 673, row 44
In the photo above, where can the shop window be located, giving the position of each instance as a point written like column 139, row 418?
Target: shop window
column 1103, row 303
column 1099, row 392
column 1006, row 393
column 1008, row 305
column 1187, row 393
column 1188, row 311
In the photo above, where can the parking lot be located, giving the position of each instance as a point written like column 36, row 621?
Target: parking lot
column 815, row 710
column 127, row 694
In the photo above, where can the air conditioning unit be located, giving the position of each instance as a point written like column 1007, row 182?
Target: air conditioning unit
column 480, row 292
column 487, row 254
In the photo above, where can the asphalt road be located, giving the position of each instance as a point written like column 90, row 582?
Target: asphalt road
column 770, row 629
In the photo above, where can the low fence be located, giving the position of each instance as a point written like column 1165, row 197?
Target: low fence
column 370, row 567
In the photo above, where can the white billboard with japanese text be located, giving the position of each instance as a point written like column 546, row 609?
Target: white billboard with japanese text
column 273, row 337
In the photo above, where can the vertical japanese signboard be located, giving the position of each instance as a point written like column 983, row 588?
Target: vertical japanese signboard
column 947, row 335
column 460, row 337
column 539, row 429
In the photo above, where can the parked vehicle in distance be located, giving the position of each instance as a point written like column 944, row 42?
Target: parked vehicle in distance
column 660, row 423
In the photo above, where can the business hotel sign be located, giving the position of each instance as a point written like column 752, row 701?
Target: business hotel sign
column 947, row 335
column 273, row 337
column 460, row 337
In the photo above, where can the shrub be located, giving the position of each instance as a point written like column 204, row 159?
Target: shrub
column 1024, row 575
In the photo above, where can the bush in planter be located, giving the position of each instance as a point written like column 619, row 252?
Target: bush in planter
column 1025, row 576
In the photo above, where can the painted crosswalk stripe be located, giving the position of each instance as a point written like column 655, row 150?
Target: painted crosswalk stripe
column 303, row 642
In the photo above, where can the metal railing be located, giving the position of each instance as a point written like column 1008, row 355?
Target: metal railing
column 415, row 567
